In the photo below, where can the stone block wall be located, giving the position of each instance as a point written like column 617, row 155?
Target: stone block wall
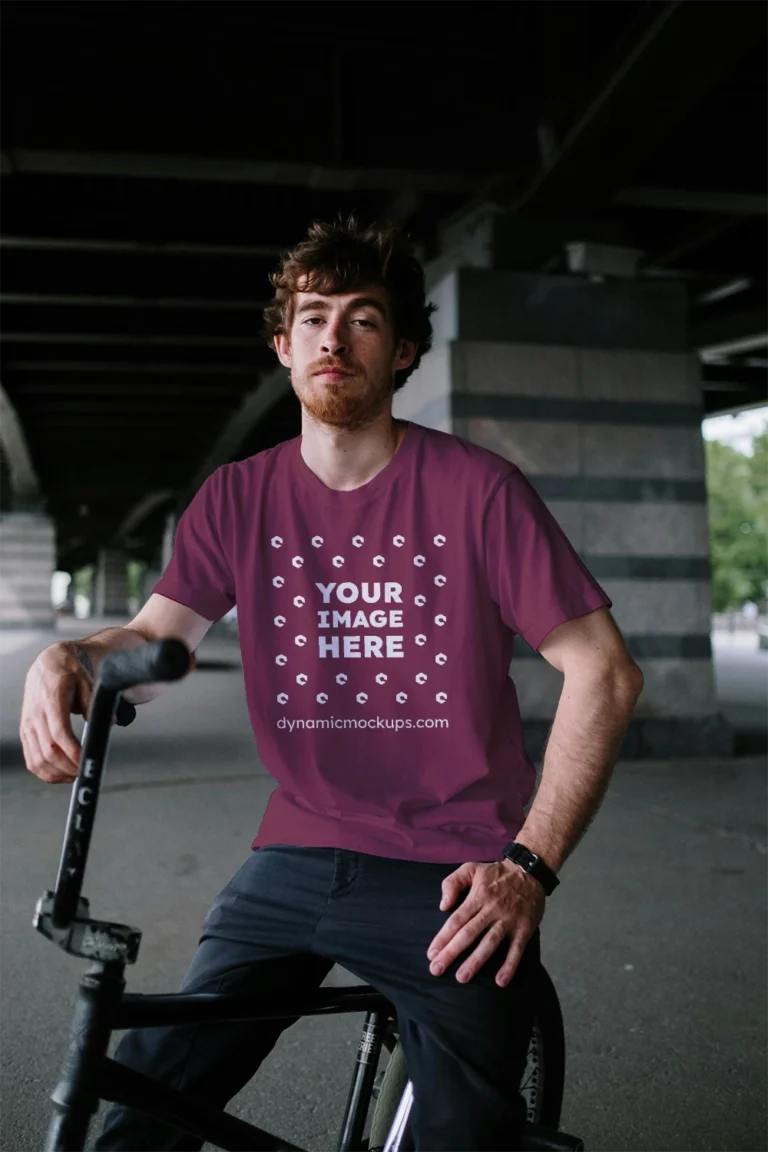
column 611, row 439
column 27, row 559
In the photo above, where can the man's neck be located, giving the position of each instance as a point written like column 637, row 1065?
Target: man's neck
column 346, row 460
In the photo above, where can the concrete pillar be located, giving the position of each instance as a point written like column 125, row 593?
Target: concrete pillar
column 110, row 584
column 588, row 387
column 169, row 535
column 27, row 563
column 69, row 600
column 151, row 577
column 161, row 558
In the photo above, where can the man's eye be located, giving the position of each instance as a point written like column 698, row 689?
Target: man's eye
column 366, row 323
column 311, row 319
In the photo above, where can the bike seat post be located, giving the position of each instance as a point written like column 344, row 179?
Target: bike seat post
column 368, row 1052
column 76, row 1096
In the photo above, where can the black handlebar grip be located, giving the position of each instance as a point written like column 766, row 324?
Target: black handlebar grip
column 126, row 713
column 155, row 661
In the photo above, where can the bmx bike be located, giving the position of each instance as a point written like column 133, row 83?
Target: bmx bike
column 103, row 1006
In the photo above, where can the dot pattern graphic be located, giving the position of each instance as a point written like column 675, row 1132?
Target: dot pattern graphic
column 390, row 682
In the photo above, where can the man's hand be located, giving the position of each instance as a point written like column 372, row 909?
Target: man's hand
column 502, row 901
column 57, row 685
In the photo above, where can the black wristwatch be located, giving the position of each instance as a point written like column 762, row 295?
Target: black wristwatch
column 530, row 862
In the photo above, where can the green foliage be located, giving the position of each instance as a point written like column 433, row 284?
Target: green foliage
column 83, row 581
column 136, row 570
column 738, row 523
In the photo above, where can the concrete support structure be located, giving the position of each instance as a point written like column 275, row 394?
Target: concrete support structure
column 25, row 483
column 162, row 557
column 255, row 407
column 588, row 387
column 27, row 562
column 151, row 577
column 110, row 584
column 70, row 596
column 27, row 535
column 169, row 535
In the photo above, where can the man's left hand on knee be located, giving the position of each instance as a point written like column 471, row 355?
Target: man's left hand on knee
column 503, row 902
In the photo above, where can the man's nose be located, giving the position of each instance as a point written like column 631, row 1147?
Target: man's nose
column 333, row 341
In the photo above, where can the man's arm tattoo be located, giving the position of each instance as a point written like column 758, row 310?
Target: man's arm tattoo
column 83, row 657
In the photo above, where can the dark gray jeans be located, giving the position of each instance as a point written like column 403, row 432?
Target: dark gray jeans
column 282, row 922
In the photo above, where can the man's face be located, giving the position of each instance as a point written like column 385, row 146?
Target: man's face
column 343, row 356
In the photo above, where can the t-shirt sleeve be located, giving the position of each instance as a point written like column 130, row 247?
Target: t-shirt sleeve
column 198, row 574
column 535, row 575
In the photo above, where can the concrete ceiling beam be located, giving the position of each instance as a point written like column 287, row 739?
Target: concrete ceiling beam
column 324, row 177
column 254, row 407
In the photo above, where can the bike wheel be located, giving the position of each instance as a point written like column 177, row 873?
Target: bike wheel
column 543, row 1079
column 541, row 1084
column 392, row 1087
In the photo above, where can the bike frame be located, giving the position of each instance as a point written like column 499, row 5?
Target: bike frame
column 102, row 1006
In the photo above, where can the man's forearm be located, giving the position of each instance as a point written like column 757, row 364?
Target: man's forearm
column 91, row 650
column 591, row 719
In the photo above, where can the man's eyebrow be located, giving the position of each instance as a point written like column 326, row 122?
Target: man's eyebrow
column 322, row 305
column 311, row 306
column 369, row 302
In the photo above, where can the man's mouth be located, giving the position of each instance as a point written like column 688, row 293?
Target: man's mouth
column 333, row 373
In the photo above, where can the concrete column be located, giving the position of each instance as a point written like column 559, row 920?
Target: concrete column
column 162, row 556
column 151, row 577
column 69, row 601
column 587, row 386
column 169, row 535
column 110, row 584
column 27, row 563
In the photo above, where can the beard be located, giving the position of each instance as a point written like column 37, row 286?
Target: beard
column 350, row 404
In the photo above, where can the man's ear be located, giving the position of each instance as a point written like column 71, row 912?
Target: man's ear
column 405, row 354
column 283, row 349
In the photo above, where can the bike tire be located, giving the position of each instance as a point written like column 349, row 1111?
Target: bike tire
column 541, row 1085
column 392, row 1087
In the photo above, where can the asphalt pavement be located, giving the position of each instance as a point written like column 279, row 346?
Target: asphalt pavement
column 656, row 937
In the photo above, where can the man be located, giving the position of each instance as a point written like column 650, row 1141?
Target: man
column 381, row 571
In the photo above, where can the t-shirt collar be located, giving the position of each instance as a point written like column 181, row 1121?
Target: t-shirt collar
column 370, row 491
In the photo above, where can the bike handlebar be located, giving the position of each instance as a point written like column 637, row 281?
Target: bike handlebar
column 153, row 662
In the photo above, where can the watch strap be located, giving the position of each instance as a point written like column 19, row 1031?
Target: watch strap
column 533, row 865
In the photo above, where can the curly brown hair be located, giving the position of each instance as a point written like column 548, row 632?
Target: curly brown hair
column 344, row 257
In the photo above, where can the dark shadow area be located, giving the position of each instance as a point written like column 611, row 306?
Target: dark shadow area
column 218, row 666
column 11, row 754
column 750, row 742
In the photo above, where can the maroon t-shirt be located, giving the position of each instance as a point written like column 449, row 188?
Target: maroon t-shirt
column 377, row 629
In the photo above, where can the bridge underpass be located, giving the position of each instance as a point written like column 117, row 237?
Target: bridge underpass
column 152, row 170
column 587, row 193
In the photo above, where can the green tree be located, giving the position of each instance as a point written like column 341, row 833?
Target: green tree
column 136, row 570
column 758, row 467
column 83, row 581
column 737, row 486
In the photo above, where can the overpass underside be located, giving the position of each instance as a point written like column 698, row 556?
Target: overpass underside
column 586, row 189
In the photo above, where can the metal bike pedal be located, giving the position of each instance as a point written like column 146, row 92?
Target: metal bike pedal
column 90, row 939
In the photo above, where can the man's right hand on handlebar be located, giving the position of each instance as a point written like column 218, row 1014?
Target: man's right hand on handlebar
column 57, row 686
column 60, row 684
